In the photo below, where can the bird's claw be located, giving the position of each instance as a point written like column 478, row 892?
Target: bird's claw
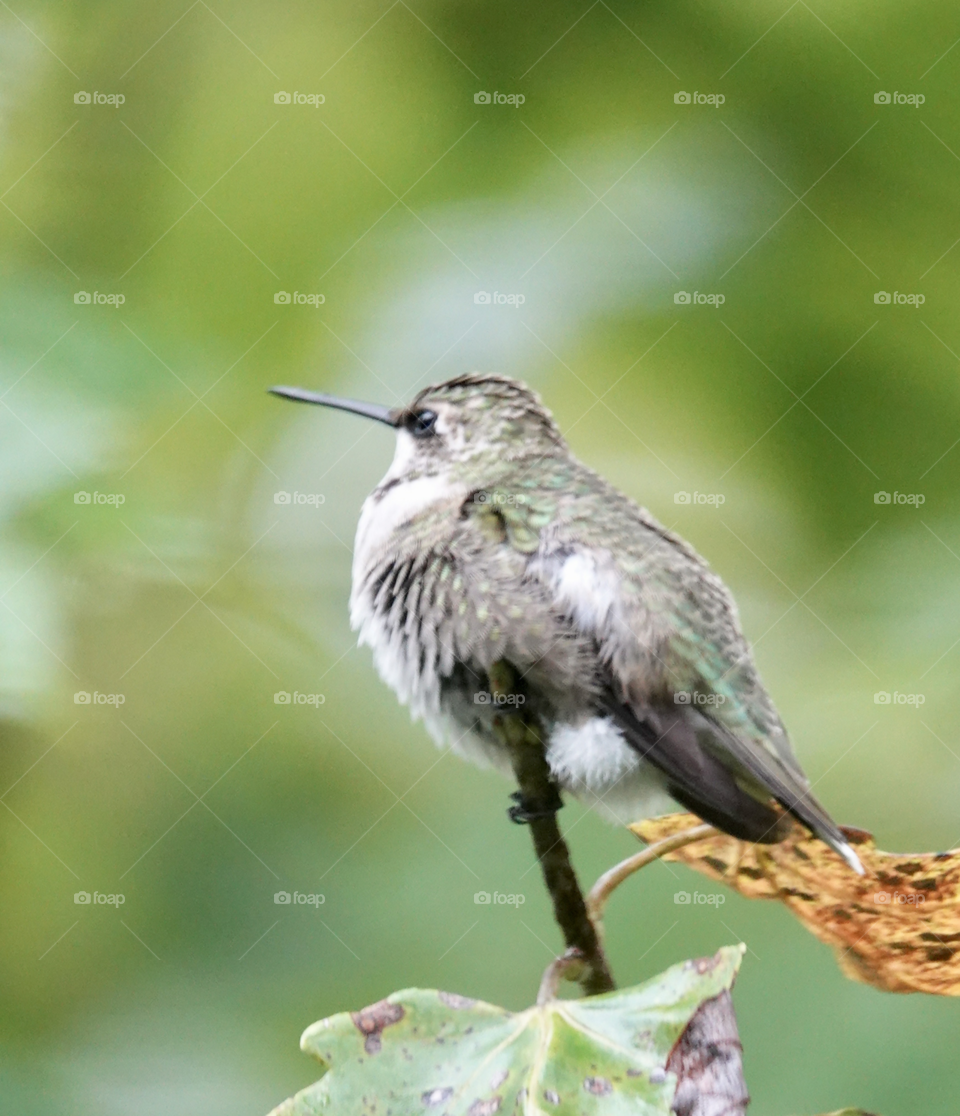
column 523, row 813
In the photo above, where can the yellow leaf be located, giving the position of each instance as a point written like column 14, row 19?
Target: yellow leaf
column 897, row 927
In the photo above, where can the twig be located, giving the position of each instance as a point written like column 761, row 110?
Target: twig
column 539, row 799
column 568, row 967
column 614, row 877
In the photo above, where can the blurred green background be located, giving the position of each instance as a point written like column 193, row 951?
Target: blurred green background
column 399, row 198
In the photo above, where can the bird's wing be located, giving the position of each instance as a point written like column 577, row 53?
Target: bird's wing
column 681, row 682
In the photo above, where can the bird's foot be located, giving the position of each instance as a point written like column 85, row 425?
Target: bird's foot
column 525, row 812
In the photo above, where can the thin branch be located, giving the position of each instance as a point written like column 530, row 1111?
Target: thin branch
column 538, row 800
column 568, row 967
column 614, row 877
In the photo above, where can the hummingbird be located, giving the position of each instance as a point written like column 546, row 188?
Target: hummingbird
column 487, row 541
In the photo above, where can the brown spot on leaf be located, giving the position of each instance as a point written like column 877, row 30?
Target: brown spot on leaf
column 753, row 873
column 371, row 1021
column 437, row 1096
column 939, row 953
column 716, row 862
column 795, row 891
column 484, row 1107
column 599, row 1086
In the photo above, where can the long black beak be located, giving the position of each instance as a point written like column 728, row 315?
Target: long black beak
column 357, row 407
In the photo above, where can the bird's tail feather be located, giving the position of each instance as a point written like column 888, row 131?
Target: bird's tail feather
column 699, row 780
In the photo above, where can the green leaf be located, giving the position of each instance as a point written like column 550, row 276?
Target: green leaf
column 426, row 1052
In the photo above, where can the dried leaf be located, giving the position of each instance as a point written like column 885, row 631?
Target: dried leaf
column 897, row 927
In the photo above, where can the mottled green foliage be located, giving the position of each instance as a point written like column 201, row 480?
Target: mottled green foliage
column 426, row 1051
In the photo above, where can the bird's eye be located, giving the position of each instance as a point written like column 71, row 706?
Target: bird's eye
column 423, row 424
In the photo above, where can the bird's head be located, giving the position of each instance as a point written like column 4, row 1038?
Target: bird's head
column 472, row 424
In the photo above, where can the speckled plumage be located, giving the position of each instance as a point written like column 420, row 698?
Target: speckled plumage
column 488, row 540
